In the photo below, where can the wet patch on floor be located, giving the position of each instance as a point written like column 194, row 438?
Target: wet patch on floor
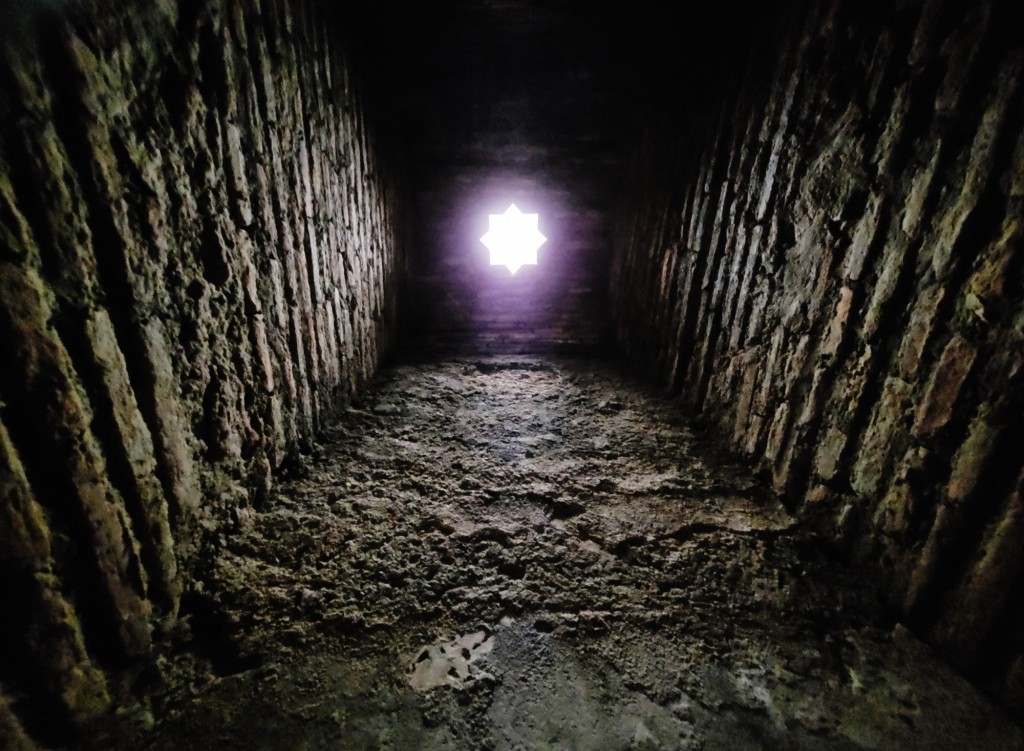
column 453, row 663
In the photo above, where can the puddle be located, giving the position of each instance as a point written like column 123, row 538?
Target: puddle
column 450, row 663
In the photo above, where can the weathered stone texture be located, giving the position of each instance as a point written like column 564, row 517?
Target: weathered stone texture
column 840, row 290
column 198, row 254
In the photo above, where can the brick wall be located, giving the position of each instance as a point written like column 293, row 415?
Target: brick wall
column 828, row 267
column 197, row 257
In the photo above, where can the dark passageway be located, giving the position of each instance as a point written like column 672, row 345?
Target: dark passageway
column 285, row 462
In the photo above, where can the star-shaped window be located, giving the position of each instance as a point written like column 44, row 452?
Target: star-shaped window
column 513, row 239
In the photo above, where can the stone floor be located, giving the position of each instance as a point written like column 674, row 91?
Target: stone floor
column 521, row 553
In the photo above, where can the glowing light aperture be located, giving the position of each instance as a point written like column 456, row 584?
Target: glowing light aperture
column 513, row 239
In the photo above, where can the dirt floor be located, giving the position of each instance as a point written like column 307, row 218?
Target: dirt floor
column 521, row 553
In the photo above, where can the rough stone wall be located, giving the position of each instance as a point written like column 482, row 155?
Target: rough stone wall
column 197, row 265
column 829, row 269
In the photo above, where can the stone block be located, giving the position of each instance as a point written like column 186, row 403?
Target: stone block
column 919, row 329
column 744, row 399
column 837, row 326
column 944, row 386
column 828, row 453
column 863, row 239
column 874, row 455
column 971, row 458
column 891, row 266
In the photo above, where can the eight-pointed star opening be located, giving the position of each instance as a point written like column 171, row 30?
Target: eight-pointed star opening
column 513, row 239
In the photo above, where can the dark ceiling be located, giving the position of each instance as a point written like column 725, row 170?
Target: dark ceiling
column 512, row 82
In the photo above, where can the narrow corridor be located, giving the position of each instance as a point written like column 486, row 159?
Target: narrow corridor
column 527, row 553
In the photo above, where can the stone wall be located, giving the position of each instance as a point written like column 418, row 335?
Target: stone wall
column 828, row 268
column 198, row 250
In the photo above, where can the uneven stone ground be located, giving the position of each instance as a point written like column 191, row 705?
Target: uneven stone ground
column 520, row 553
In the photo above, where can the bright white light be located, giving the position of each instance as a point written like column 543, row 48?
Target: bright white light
column 513, row 239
